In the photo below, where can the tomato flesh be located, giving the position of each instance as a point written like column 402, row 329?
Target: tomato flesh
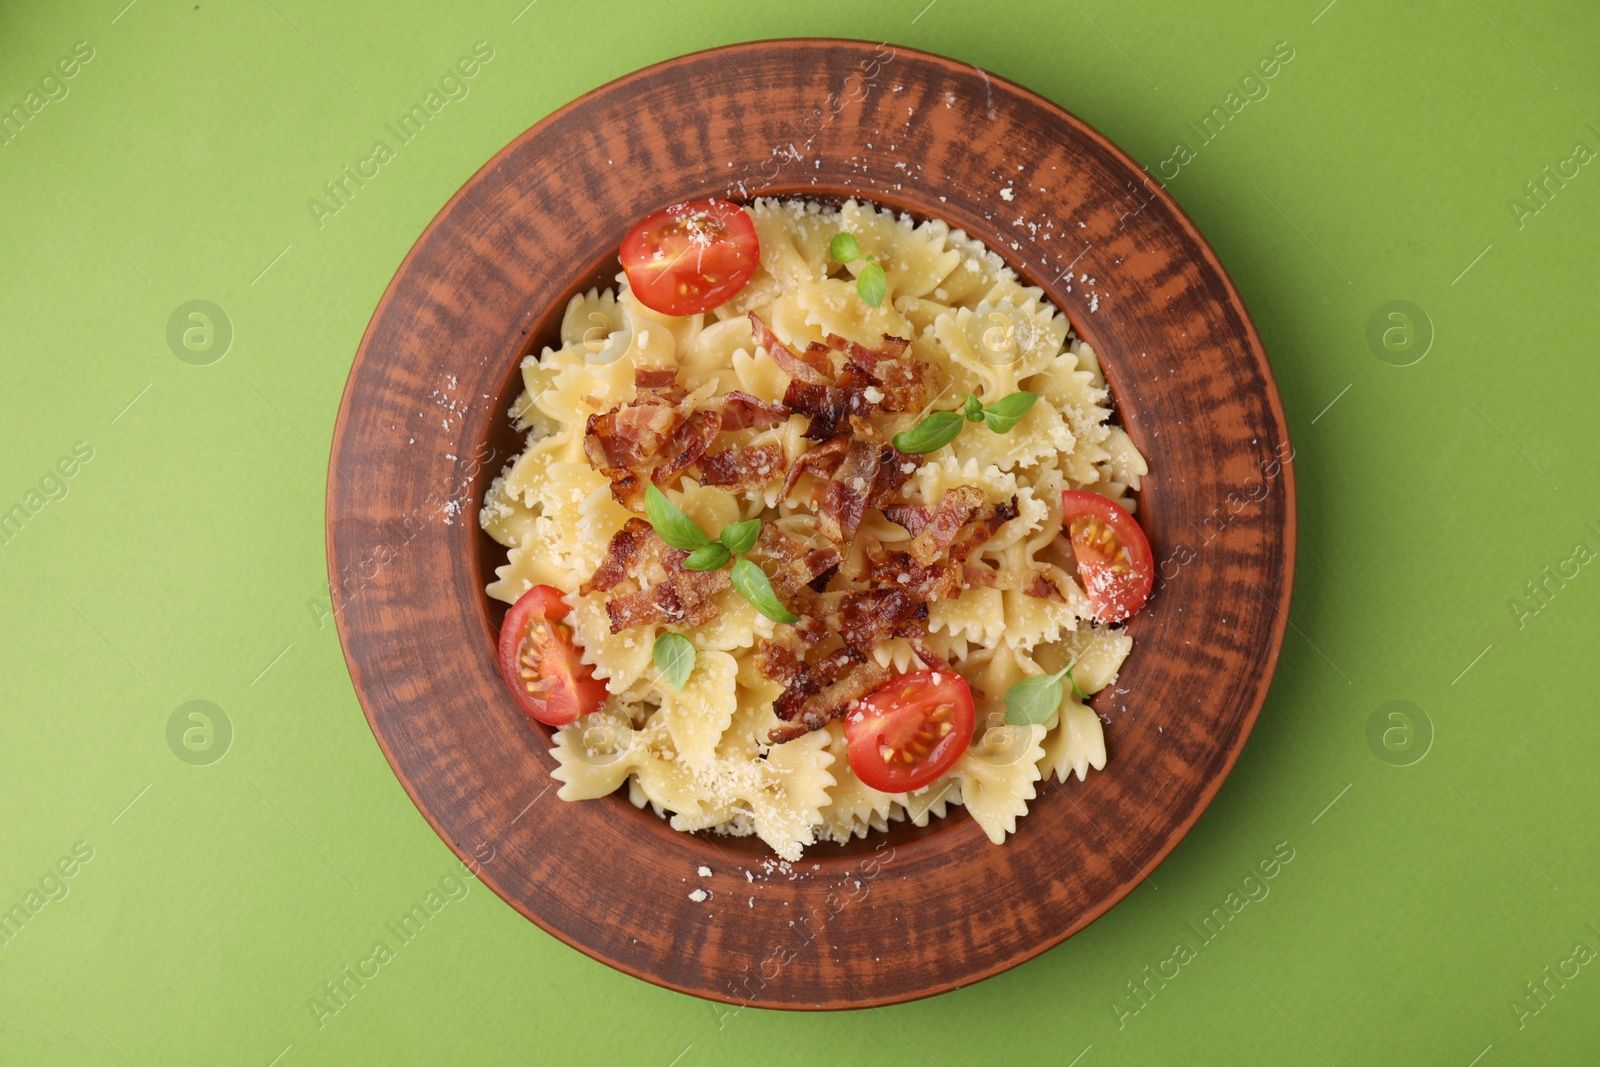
column 905, row 735
column 691, row 257
column 1115, row 563
column 540, row 662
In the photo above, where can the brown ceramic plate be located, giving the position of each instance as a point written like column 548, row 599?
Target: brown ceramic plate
column 423, row 428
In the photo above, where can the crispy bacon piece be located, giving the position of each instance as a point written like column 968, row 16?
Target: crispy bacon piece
column 625, row 549
column 737, row 469
column 866, row 358
column 939, row 532
column 942, row 580
column 684, row 596
column 906, row 384
column 687, row 444
column 818, row 460
column 985, row 522
column 897, row 570
column 659, row 380
column 628, row 436
column 844, row 501
column 829, row 405
column 872, row 616
column 782, row 657
column 895, row 468
column 741, row 411
column 821, row 692
column 660, row 435
column 799, row 565
column 813, row 367
column 869, row 381
column 912, row 516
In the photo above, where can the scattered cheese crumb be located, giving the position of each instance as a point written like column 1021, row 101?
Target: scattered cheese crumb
column 704, row 872
column 1008, row 194
column 699, row 896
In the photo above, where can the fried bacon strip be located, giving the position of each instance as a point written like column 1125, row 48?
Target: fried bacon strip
column 623, row 556
column 660, row 435
column 685, row 597
column 687, row 444
column 799, row 565
column 945, row 572
column 870, row 475
column 954, row 512
column 738, row 469
column 819, row 460
column 896, row 385
column 813, row 368
column 823, row 691
column 844, row 499
column 869, row 617
column 1042, row 587
column 882, row 379
column 741, row 411
column 912, row 516
column 628, row 436
column 659, row 380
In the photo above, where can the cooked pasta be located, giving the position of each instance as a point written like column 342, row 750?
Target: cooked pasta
column 701, row 755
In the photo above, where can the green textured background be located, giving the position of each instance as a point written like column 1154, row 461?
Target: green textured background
column 185, row 560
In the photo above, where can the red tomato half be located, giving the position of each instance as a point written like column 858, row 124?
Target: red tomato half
column 540, row 663
column 691, row 257
column 1115, row 563
column 911, row 731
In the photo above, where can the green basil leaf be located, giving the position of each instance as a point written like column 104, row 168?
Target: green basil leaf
column 972, row 410
column 931, row 434
column 872, row 284
column 741, row 536
column 671, row 524
column 674, row 655
column 1008, row 410
column 1032, row 701
column 707, row 557
column 752, row 584
column 843, row 248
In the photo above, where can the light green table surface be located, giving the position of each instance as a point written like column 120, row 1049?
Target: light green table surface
column 183, row 560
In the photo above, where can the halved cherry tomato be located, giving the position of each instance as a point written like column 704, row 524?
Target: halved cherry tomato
column 540, row 663
column 911, row 731
column 691, row 257
column 1115, row 563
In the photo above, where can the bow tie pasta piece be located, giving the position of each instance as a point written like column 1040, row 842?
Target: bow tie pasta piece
column 854, row 808
column 997, row 783
column 1076, row 744
column 832, row 306
column 696, row 716
column 595, row 754
column 915, row 260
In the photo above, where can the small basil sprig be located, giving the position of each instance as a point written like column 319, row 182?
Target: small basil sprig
column 940, row 428
column 674, row 656
column 684, row 534
column 1032, row 701
column 871, row 283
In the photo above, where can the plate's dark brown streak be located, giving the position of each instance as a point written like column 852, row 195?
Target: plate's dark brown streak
column 487, row 283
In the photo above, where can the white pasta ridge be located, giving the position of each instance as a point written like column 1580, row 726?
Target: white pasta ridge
column 700, row 756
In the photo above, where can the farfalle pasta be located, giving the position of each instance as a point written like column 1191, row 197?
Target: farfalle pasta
column 756, row 420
